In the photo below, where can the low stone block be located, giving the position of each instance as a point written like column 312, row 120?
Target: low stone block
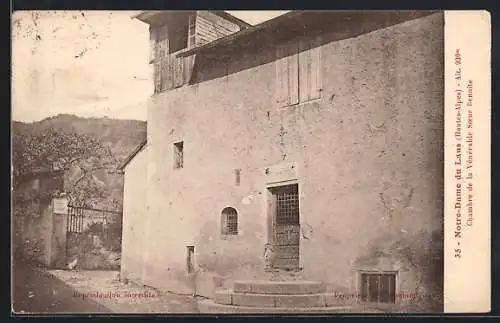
column 223, row 297
column 242, row 287
column 295, row 287
column 338, row 299
column 206, row 284
column 307, row 300
column 259, row 300
column 208, row 306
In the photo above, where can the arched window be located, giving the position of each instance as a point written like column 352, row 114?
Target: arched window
column 229, row 221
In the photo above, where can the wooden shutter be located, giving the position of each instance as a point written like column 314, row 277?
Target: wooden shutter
column 169, row 72
column 287, row 74
column 310, row 69
column 178, row 71
column 175, row 70
column 192, row 31
column 188, row 67
column 182, row 72
column 281, row 75
column 161, row 57
column 293, row 74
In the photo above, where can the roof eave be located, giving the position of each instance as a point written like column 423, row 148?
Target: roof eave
column 242, row 33
column 153, row 17
column 226, row 15
column 306, row 20
column 145, row 16
column 132, row 155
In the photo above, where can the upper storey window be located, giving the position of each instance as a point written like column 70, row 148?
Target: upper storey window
column 298, row 71
column 173, row 32
column 179, row 34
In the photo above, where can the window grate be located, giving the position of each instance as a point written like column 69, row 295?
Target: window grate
column 288, row 206
column 179, row 155
column 378, row 288
column 229, row 221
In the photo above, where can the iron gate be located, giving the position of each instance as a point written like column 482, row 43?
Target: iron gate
column 93, row 238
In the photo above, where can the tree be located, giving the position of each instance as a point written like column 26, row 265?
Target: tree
column 63, row 149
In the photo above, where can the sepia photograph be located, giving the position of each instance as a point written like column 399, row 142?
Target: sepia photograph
column 229, row 162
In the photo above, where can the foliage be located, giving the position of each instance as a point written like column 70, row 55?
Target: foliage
column 112, row 238
column 17, row 239
column 89, row 150
column 33, row 250
column 120, row 136
column 110, row 233
column 62, row 149
column 95, row 228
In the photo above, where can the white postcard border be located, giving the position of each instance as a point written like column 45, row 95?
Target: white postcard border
column 467, row 214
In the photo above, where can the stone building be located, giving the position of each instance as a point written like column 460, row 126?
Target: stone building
column 36, row 221
column 308, row 147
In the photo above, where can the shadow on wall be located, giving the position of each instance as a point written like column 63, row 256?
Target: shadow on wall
column 31, row 223
column 225, row 256
column 420, row 252
column 247, row 55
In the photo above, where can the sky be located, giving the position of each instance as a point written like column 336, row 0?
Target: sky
column 90, row 63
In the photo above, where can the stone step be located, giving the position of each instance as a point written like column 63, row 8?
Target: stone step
column 283, row 275
column 228, row 297
column 210, row 307
column 279, row 287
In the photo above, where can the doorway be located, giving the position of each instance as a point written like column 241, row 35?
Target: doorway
column 284, row 217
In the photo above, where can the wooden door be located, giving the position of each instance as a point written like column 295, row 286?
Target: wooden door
column 286, row 227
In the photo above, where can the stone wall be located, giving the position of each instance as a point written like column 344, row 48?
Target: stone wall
column 134, row 217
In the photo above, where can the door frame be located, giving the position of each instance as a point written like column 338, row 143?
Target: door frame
column 271, row 213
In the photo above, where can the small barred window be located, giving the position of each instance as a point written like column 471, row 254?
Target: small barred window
column 229, row 225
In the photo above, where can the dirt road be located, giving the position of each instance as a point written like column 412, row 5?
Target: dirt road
column 37, row 290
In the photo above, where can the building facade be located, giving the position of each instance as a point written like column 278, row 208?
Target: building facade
column 308, row 146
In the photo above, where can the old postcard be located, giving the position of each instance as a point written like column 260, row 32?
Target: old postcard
column 251, row 162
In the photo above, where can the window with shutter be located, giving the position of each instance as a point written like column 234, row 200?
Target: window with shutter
column 298, row 71
column 309, row 69
column 287, row 74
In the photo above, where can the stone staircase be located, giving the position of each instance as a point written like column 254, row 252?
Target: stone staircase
column 274, row 297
